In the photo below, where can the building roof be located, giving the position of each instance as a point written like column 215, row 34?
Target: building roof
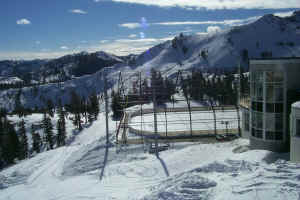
column 277, row 58
column 284, row 60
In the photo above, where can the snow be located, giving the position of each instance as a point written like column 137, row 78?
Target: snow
column 296, row 104
column 179, row 121
column 197, row 170
column 10, row 80
column 186, row 171
column 36, row 120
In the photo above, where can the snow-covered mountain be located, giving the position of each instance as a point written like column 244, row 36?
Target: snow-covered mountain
column 10, row 80
column 268, row 36
column 59, row 69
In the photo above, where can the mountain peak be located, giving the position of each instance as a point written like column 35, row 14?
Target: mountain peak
column 296, row 13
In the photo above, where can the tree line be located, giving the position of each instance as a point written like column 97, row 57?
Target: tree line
column 141, row 92
column 219, row 87
column 14, row 143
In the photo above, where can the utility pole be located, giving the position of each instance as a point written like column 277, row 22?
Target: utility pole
column 155, row 117
column 104, row 78
column 106, row 107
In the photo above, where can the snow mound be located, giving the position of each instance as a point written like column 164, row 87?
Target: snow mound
column 230, row 166
column 188, row 185
column 85, row 159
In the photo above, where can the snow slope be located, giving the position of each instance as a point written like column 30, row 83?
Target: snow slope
column 186, row 171
column 224, row 49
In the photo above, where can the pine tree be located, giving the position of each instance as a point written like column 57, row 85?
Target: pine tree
column 116, row 106
column 19, row 109
column 75, row 107
column 61, row 127
column 50, row 108
column 23, row 141
column 94, row 106
column 10, row 142
column 48, row 132
column 36, row 141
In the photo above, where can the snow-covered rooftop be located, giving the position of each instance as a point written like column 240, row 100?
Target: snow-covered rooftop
column 296, row 104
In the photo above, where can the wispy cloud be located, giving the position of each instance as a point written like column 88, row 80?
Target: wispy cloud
column 119, row 47
column 130, row 25
column 231, row 22
column 218, row 4
column 284, row 14
column 132, row 36
column 213, row 29
column 78, row 11
column 23, row 21
column 37, row 42
column 104, row 41
column 64, row 47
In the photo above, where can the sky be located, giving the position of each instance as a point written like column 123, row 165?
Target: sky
column 36, row 29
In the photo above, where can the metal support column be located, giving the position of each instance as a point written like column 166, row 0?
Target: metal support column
column 155, row 118
column 106, row 109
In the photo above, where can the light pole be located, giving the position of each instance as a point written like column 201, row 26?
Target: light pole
column 226, row 125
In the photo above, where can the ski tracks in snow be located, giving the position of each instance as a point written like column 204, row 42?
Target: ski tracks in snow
column 53, row 168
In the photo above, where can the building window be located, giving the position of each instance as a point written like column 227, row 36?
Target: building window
column 298, row 127
column 257, row 120
column 274, row 76
column 274, row 107
column 257, row 133
column 278, row 92
column 271, row 135
column 246, row 121
column 257, row 106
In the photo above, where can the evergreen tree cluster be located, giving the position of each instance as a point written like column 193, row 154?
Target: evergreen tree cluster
column 220, row 88
column 14, row 144
column 9, row 141
column 141, row 92
column 81, row 107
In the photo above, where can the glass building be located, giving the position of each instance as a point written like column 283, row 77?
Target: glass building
column 295, row 132
column 272, row 81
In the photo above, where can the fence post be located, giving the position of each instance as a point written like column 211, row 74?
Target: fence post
column 215, row 118
column 239, row 120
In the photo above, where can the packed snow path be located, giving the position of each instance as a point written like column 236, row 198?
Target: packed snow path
column 196, row 171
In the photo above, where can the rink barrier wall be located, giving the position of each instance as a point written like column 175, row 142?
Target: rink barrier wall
column 186, row 133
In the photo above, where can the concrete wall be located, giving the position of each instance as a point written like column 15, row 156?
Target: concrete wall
column 245, row 133
column 275, row 146
column 295, row 140
column 295, row 149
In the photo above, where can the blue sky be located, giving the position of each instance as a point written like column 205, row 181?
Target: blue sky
column 45, row 29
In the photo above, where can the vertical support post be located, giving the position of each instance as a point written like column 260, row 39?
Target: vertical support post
column 166, row 121
column 155, row 118
column 190, row 114
column 239, row 101
column 239, row 120
column 141, row 98
column 106, row 107
column 226, row 123
column 239, row 85
column 215, row 118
